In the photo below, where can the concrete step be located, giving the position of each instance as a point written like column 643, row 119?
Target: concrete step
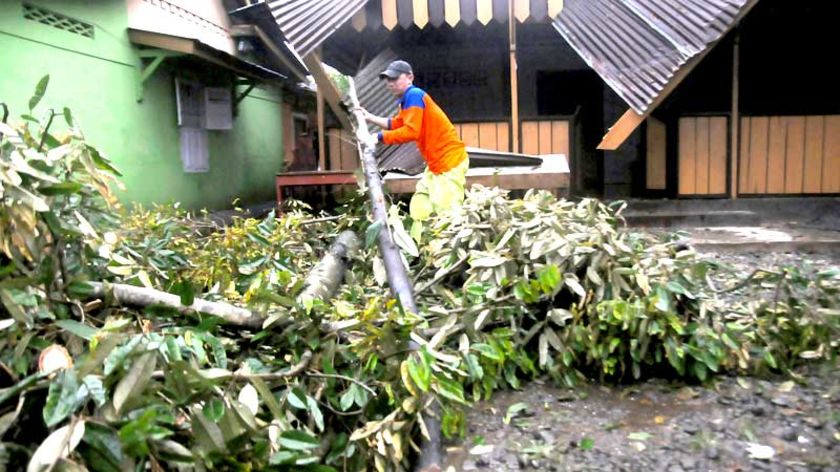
column 681, row 219
column 744, row 239
column 823, row 210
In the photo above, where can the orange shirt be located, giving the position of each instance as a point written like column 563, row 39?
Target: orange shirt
column 420, row 119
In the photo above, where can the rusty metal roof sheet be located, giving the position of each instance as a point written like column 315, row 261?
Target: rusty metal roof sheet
column 308, row 23
column 258, row 14
column 638, row 46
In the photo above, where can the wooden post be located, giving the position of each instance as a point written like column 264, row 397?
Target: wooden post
column 430, row 459
column 322, row 135
column 734, row 124
column 514, row 85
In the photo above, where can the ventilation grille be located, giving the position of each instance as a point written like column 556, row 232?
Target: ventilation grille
column 57, row 20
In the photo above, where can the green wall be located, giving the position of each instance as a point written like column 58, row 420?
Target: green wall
column 97, row 78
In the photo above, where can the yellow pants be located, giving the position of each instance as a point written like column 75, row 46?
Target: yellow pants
column 439, row 192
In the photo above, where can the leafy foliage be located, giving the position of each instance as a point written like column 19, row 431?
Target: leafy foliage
column 508, row 289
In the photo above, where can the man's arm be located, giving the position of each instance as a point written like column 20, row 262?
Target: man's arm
column 406, row 127
column 380, row 121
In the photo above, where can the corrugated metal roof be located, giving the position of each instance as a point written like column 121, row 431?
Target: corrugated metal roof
column 637, row 46
column 258, row 14
column 308, row 23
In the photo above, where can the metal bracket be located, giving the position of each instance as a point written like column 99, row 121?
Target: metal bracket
column 145, row 71
column 250, row 86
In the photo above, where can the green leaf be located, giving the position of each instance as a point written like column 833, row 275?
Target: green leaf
column 700, row 371
column 675, row 287
column 79, row 329
column 100, row 161
column 62, row 398
column 449, row 389
column 40, row 90
column 297, row 398
column 95, row 389
column 298, row 440
column 68, row 116
column 101, row 449
column 218, row 349
column 372, row 233
column 487, row 351
column 214, row 410
column 639, row 436
column 184, row 289
column 418, row 375
column 771, row 361
column 549, row 278
column 208, row 435
column 315, row 413
column 12, row 299
column 346, row 400
column 283, row 457
column 587, row 443
column 134, row 382
column 63, row 188
column 513, row 410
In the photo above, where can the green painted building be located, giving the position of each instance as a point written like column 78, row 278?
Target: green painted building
column 97, row 65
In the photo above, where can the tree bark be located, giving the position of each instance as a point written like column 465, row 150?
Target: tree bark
column 325, row 278
column 142, row 296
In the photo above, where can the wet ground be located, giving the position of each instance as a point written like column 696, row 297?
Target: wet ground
column 731, row 424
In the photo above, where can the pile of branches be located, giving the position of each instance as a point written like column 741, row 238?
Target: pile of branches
column 151, row 339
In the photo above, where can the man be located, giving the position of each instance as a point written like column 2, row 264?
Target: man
column 421, row 120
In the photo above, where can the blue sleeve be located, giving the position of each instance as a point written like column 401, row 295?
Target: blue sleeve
column 414, row 98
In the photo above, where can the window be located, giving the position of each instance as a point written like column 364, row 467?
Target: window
column 195, row 154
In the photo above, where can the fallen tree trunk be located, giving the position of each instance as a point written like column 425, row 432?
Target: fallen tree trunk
column 321, row 283
column 430, row 458
column 143, row 296
column 325, row 278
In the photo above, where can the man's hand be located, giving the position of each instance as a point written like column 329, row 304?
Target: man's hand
column 368, row 140
column 379, row 121
column 366, row 114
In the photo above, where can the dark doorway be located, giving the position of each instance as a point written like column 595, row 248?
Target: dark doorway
column 578, row 94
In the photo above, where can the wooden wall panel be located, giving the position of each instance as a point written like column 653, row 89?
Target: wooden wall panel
column 718, row 155
column 776, row 155
column 743, row 156
column 545, row 137
column 503, row 132
column 701, row 158
column 560, row 138
column 794, row 153
column 790, row 155
column 831, row 155
column 488, row 136
column 530, row 137
column 814, row 133
column 656, row 151
column 687, row 156
column 469, row 134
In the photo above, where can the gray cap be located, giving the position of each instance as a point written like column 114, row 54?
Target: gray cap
column 395, row 69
